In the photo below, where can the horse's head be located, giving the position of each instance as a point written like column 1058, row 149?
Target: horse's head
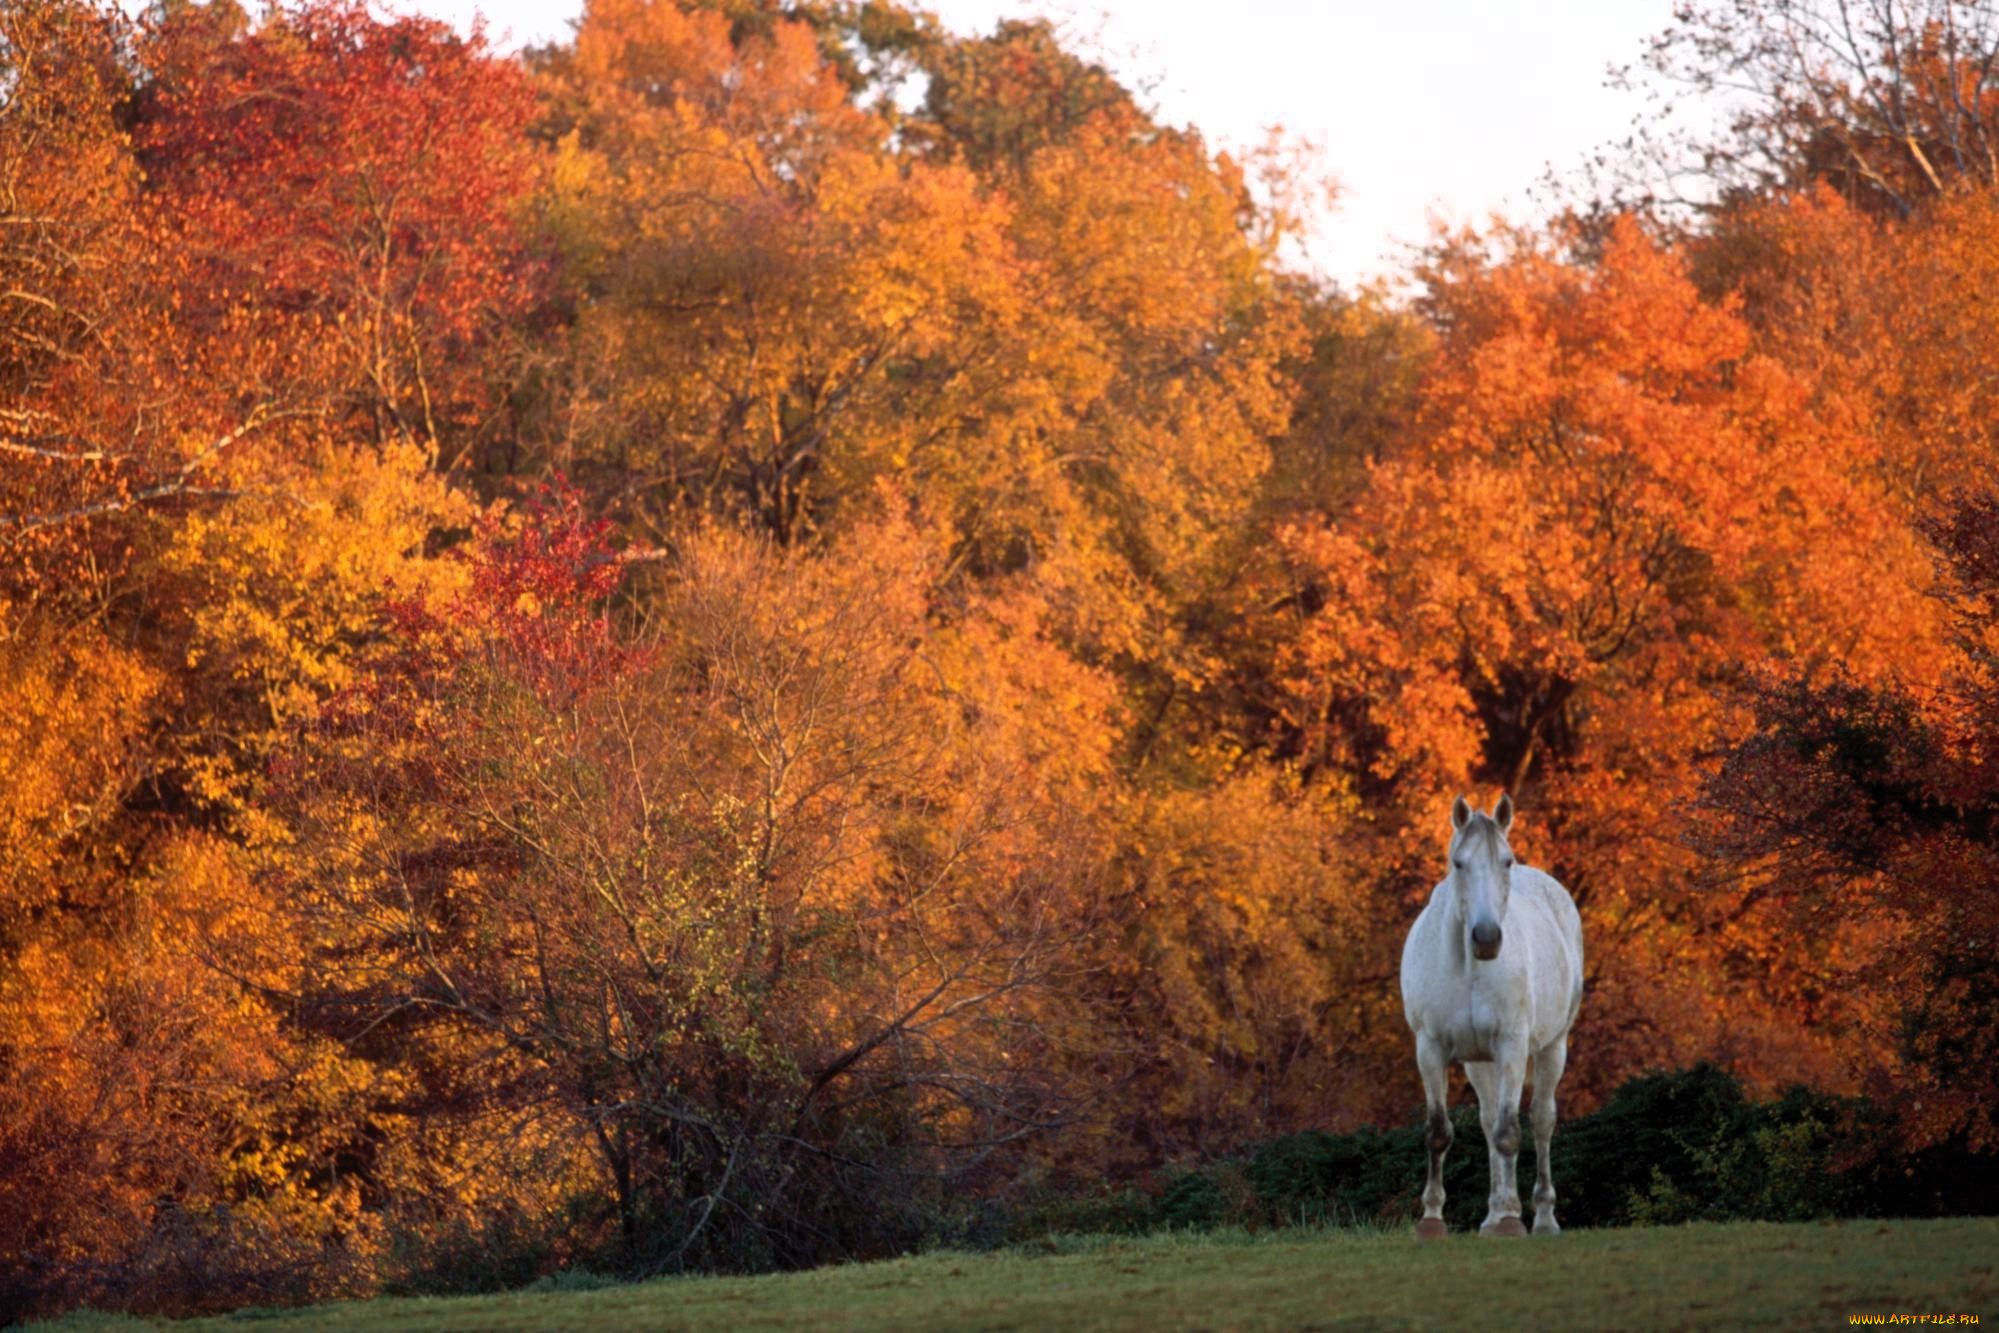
column 1482, row 872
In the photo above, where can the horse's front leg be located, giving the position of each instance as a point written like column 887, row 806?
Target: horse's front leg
column 1435, row 1069
column 1549, row 1062
column 1499, row 1083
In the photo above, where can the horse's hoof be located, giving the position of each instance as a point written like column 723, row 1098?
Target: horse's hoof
column 1547, row 1228
column 1432, row 1228
column 1505, row 1226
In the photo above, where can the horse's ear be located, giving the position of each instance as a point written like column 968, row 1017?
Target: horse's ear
column 1502, row 814
column 1460, row 813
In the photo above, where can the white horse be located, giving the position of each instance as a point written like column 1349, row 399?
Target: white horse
column 1492, row 977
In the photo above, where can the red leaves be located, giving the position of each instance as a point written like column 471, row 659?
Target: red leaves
column 539, row 578
column 556, row 557
column 528, row 624
column 346, row 192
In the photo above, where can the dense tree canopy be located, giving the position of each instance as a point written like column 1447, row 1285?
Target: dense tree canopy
column 720, row 644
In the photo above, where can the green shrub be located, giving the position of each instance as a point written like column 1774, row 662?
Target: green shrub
column 1370, row 1176
column 1192, row 1201
column 1124, row 1211
column 1666, row 1148
column 573, row 1279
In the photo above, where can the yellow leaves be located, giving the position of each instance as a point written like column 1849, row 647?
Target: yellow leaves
column 275, row 590
column 1247, row 914
column 139, row 1061
column 1033, row 708
column 1078, row 365
column 73, row 709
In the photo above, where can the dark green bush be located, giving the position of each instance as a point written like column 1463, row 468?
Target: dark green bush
column 1690, row 1146
column 1652, row 1130
column 1124, row 1211
column 1370, row 1176
column 1668, row 1147
column 1194, row 1200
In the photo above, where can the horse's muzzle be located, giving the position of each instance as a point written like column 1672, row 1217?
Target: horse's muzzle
column 1485, row 941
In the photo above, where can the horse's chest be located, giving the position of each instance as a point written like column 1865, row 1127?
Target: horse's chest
column 1474, row 1026
column 1478, row 1029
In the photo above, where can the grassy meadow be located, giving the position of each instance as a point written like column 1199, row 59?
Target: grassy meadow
column 1734, row 1275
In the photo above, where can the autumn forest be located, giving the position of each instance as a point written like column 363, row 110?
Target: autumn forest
column 705, row 647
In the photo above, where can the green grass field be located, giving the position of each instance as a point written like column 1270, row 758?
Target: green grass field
column 1738, row 1275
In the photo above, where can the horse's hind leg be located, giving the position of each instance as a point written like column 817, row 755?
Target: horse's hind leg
column 1430, row 1063
column 1549, row 1062
column 1499, row 1084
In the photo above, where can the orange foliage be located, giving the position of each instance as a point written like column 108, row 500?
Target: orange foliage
column 716, row 906
column 1609, row 507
